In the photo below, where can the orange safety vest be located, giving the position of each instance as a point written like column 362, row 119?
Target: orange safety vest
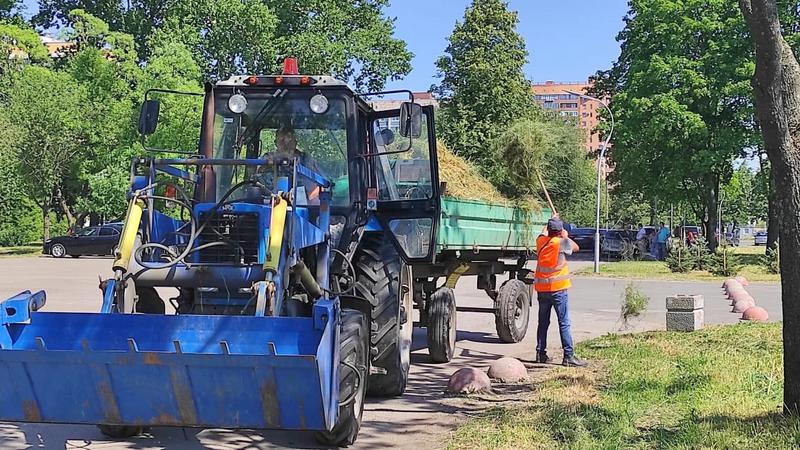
column 552, row 273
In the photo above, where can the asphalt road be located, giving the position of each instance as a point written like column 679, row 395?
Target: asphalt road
column 420, row 419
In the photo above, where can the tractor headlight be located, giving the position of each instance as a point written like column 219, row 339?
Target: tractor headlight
column 237, row 103
column 318, row 104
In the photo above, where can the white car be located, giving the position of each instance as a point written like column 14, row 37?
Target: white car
column 761, row 238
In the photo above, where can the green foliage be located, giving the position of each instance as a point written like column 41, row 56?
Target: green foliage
column 634, row 303
column 681, row 100
column 352, row 40
column 14, row 38
column 227, row 36
column 681, row 259
column 725, row 263
column 703, row 256
column 772, row 259
column 554, row 148
column 483, row 87
column 744, row 196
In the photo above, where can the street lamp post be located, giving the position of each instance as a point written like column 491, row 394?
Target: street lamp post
column 600, row 164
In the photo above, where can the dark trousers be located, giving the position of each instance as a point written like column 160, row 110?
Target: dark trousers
column 558, row 301
column 662, row 250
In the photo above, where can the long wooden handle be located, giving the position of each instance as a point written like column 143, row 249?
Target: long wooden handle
column 546, row 194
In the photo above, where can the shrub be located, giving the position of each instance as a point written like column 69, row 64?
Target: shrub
column 772, row 259
column 725, row 263
column 703, row 258
column 634, row 303
column 680, row 259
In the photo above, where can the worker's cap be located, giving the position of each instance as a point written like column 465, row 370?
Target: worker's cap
column 555, row 225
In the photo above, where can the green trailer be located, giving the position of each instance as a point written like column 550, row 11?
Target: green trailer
column 484, row 240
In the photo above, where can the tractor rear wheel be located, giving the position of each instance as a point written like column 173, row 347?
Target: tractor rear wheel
column 120, row 431
column 353, row 370
column 442, row 325
column 512, row 311
column 384, row 280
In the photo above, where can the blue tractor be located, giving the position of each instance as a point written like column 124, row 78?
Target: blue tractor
column 288, row 241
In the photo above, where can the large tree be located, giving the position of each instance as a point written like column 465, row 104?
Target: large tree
column 776, row 85
column 352, row 40
column 483, row 88
column 46, row 107
column 682, row 102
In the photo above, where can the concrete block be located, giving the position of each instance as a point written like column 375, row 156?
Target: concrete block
column 685, row 320
column 684, row 302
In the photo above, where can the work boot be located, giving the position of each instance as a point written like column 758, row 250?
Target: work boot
column 542, row 358
column 573, row 361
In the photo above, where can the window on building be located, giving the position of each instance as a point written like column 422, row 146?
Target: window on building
column 569, row 106
column 549, row 105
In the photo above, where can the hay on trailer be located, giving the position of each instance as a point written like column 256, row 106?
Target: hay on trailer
column 463, row 180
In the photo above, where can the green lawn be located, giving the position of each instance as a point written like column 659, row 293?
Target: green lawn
column 23, row 250
column 717, row 388
column 748, row 255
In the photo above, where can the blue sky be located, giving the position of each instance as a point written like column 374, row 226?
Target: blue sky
column 568, row 40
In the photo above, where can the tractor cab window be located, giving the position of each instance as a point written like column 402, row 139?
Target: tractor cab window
column 284, row 126
column 404, row 174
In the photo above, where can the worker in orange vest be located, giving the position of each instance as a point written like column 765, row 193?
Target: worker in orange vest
column 552, row 283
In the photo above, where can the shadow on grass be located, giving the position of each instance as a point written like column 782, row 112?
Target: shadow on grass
column 773, row 431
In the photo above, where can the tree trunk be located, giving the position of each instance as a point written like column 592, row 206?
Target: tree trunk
column 773, row 210
column 776, row 86
column 45, row 222
column 711, row 198
column 65, row 208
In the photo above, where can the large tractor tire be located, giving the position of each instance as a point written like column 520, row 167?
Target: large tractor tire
column 442, row 325
column 384, row 280
column 353, row 370
column 512, row 311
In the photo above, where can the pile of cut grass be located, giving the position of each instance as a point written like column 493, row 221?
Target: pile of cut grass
column 463, row 180
column 717, row 388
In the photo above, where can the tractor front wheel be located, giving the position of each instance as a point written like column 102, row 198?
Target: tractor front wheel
column 384, row 280
column 353, row 370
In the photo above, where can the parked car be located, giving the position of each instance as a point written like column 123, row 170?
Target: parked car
column 761, row 238
column 584, row 237
column 100, row 240
column 619, row 244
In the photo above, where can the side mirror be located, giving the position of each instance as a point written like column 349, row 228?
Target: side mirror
column 410, row 120
column 148, row 117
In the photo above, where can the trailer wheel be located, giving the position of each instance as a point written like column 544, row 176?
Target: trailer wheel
column 512, row 311
column 353, row 352
column 442, row 325
column 386, row 282
column 120, row 431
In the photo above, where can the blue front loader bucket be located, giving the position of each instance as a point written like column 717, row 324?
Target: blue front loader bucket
column 184, row 370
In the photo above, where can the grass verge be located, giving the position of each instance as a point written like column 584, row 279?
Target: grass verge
column 749, row 256
column 718, row 388
column 23, row 250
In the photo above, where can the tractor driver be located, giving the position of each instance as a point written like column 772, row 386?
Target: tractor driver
column 286, row 147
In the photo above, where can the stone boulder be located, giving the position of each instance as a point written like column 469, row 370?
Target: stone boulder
column 507, row 370
column 469, row 381
column 733, row 289
column 741, row 305
column 742, row 280
column 755, row 314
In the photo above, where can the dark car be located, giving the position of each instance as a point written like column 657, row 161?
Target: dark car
column 619, row 244
column 100, row 240
column 584, row 237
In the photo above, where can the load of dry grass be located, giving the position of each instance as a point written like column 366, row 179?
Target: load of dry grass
column 463, row 180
